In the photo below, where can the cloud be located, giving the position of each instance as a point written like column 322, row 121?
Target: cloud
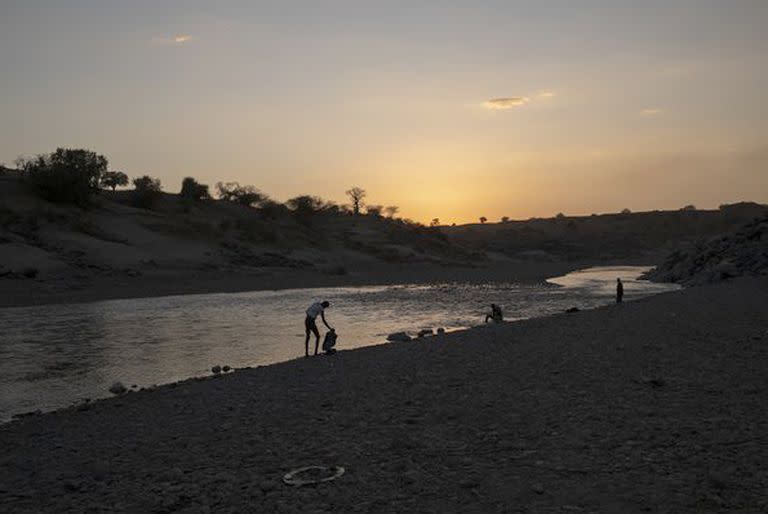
column 650, row 112
column 509, row 102
column 546, row 94
column 178, row 39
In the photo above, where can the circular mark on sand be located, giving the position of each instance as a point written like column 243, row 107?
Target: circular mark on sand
column 310, row 475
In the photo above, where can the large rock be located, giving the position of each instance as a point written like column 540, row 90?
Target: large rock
column 118, row 388
column 398, row 336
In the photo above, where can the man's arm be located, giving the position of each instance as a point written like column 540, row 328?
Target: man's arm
column 322, row 315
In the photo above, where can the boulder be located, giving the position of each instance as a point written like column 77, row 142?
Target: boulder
column 118, row 388
column 425, row 332
column 216, row 370
column 398, row 336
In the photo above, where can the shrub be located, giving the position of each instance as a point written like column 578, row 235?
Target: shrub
column 147, row 191
column 270, row 209
column 305, row 205
column 66, row 175
column 30, row 272
column 113, row 179
column 192, row 190
column 374, row 210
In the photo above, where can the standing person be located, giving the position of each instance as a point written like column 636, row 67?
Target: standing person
column 619, row 290
column 310, row 325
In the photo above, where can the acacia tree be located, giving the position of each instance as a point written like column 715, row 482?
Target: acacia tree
column 391, row 210
column 113, row 179
column 244, row 195
column 356, row 194
column 483, row 219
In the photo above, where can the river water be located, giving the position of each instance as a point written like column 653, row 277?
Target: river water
column 53, row 356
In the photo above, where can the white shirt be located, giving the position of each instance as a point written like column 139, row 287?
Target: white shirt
column 315, row 310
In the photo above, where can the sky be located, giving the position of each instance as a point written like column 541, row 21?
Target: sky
column 448, row 109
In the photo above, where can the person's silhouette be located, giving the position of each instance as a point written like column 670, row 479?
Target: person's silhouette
column 310, row 324
column 619, row 290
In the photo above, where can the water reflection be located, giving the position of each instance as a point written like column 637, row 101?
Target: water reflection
column 51, row 356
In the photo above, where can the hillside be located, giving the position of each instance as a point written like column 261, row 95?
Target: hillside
column 631, row 237
column 740, row 253
column 114, row 237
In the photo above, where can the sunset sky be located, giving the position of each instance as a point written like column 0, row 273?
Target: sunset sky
column 448, row 109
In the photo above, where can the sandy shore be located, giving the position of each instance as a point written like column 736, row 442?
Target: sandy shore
column 89, row 288
column 657, row 405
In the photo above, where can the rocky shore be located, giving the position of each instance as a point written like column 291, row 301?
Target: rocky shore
column 741, row 253
column 656, row 405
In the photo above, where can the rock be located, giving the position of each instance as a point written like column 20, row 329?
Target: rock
column 425, row 332
column 441, row 330
column 572, row 309
column 538, row 488
column 398, row 336
column 117, row 388
column 216, row 370
column 226, row 369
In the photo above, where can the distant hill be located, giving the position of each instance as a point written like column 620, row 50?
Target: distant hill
column 741, row 253
column 625, row 236
column 114, row 237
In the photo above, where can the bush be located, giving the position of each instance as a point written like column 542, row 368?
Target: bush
column 113, row 179
column 147, row 191
column 66, row 175
column 30, row 272
column 192, row 190
column 269, row 209
column 305, row 205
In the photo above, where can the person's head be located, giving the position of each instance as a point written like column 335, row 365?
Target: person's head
column 618, row 280
column 325, row 304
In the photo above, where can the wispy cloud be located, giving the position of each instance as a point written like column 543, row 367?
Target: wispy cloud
column 651, row 112
column 178, row 39
column 546, row 94
column 508, row 102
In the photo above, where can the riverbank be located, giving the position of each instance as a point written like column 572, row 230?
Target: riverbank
column 654, row 405
column 90, row 288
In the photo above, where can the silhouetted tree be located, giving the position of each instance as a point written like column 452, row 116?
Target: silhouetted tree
column 374, row 210
column 194, row 191
column 244, row 195
column 689, row 208
column 67, row 175
column 391, row 210
column 305, row 205
column 147, row 191
column 560, row 215
column 483, row 219
column 505, row 219
column 626, row 211
column 435, row 222
column 113, row 179
column 356, row 194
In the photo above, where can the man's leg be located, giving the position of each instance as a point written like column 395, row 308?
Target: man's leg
column 317, row 336
column 306, row 339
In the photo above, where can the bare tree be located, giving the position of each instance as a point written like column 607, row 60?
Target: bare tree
column 356, row 194
column 483, row 219
column 391, row 210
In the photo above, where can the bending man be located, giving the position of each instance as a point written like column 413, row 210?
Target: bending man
column 310, row 324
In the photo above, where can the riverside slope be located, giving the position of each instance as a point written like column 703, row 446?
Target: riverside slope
column 655, row 405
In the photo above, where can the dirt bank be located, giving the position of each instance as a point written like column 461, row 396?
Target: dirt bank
column 656, row 405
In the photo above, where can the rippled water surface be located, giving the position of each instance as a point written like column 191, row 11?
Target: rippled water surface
column 52, row 356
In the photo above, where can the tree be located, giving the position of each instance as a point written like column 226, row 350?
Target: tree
column 146, row 192
column 483, row 219
column 244, row 195
column 305, row 205
column 113, row 179
column 391, row 210
column 374, row 210
column 67, row 175
column 560, row 215
column 505, row 219
column 356, row 194
column 689, row 208
column 435, row 222
column 194, row 191
column 626, row 211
